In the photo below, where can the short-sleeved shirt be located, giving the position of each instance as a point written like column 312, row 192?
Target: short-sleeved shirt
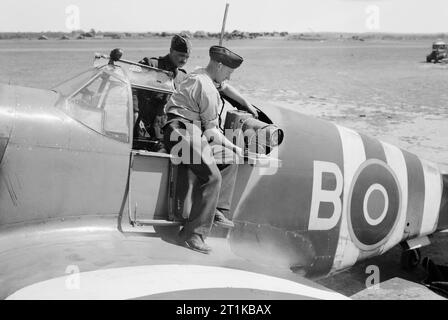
column 165, row 63
column 158, row 100
column 196, row 99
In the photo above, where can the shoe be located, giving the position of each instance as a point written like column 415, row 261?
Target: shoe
column 181, row 237
column 222, row 221
column 196, row 242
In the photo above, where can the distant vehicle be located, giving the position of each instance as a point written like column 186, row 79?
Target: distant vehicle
column 439, row 52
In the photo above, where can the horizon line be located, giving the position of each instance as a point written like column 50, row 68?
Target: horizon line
column 272, row 31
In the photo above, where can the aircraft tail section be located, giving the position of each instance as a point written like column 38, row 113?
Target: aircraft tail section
column 443, row 215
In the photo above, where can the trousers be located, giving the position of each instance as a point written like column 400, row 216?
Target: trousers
column 215, row 182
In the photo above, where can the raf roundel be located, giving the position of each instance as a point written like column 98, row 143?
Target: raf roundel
column 373, row 205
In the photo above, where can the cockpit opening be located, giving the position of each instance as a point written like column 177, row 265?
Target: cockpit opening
column 149, row 119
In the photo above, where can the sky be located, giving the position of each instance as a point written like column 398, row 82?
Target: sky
column 398, row 16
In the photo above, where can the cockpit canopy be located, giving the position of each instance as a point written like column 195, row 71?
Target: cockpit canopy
column 151, row 79
column 101, row 98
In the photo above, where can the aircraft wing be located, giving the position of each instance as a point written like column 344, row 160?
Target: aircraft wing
column 88, row 258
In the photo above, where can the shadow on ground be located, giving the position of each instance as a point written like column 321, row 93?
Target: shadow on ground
column 352, row 282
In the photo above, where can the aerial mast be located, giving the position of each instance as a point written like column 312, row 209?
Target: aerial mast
column 223, row 25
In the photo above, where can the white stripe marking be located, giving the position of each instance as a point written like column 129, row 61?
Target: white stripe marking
column 354, row 155
column 396, row 161
column 433, row 196
column 141, row 281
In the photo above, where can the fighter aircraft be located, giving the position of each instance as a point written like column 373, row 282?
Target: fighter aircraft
column 88, row 211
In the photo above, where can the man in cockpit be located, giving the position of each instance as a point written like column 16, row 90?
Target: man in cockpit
column 174, row 61
column 151, row 105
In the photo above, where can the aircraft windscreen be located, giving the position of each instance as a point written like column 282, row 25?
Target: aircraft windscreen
column 115, row 122
column 103, row 105
column 149, row 79
column 71, row 85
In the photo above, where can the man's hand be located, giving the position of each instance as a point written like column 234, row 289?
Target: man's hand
column 251, row 109
column 145, row 61
column 232, row 93
column 239, row 151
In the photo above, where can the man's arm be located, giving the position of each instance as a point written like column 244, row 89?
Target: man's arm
column 208, row 101
column 234, row 94
column 215, row 135
column 149, row 62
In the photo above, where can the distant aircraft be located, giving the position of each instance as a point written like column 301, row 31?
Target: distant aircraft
column 84, row 214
